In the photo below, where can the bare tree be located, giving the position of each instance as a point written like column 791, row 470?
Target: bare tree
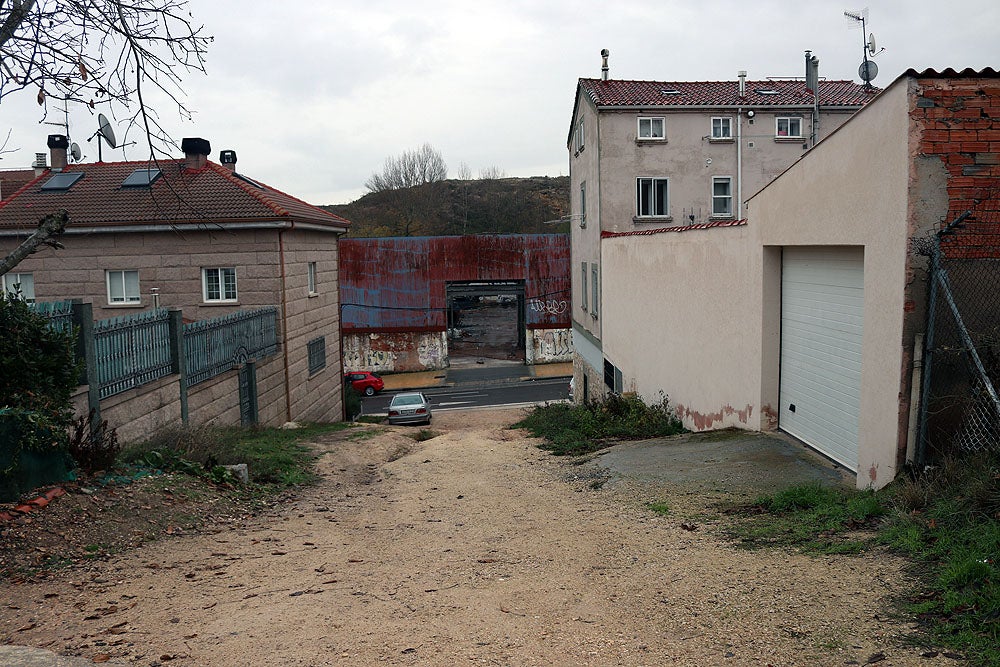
column 409, row 169
column 101, row 53
column 464, row 172
column 492, row 173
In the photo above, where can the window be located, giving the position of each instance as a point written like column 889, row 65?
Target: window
column 583, row 204
column 62, row 181
column 650, row 128
column 312, row 277
column 123, row 286
column 583, row 285
column 722, row 196
column 20, row 284
column 651, row 197
column 317, row 355
column 722, row 128
column 578, row 137
column 593, row 290
column 219, row 285
column 788, row 127
column 141, row 178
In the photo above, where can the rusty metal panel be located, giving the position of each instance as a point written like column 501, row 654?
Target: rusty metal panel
column 399, row 284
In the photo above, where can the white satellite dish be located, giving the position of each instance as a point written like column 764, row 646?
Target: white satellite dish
column 871, row 43
column 74, row 151
column 106, row 130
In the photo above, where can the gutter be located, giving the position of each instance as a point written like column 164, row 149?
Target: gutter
column 175, row 227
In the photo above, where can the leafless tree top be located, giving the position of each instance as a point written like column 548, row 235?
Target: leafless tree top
column 101, row 53
column 424, row 165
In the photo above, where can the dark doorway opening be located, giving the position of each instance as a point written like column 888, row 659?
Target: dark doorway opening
column 486, row 320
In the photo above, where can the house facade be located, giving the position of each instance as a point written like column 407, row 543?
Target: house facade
column 199, row 236
column 648, row 155
column 805, row 316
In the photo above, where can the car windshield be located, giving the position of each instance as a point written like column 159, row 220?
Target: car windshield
column 408, row 399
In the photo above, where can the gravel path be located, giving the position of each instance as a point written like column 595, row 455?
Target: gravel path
column 473, row 547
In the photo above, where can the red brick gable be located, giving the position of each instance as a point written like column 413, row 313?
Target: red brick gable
column 617, row 92
column 180, row 196
column 957, row 118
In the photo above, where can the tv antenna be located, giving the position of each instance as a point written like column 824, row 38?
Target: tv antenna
column 868, row 69
column 107, row 133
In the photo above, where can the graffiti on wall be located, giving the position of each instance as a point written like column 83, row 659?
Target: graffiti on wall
column 550, row 306
column 550, row 345
column 395, row 352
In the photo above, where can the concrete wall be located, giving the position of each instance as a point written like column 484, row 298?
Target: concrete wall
column 585, row 232
column 681, row 313
column 545, row 346
column 396, row 352
column 819, row 201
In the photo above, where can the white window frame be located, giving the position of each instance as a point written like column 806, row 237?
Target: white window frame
column 788, row 122
column 594, row 290
column 727, row 198
column 583, row 204
column 311, row 270
column 15, row 283
column 653, row 212
column 578, row 137
column 650, row 131
column 583, row 282
column 220, row 273
column 118, row 277
column 724, row 124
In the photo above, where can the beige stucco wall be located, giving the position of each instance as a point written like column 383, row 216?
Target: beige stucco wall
column 852, row 190
column 681, row 317
column 585, row 233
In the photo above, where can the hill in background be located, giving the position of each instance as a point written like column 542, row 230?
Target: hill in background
column 452, row 207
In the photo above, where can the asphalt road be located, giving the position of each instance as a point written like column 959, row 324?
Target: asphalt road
column 464, row 397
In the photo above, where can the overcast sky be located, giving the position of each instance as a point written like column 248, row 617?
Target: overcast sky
column 314, row 96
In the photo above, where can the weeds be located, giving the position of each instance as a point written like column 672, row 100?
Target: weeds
column 946, row 521
column 572, row 430
column 661, row 508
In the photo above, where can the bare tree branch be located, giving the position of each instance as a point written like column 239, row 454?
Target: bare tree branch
column 411, row 168
column 49, row 228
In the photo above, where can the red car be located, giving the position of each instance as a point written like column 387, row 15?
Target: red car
column 365, row 382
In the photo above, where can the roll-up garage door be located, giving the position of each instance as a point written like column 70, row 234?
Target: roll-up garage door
column 822, row 318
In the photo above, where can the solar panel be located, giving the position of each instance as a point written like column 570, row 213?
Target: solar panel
column 141, row 178
column 247, row 179
column 62, row 180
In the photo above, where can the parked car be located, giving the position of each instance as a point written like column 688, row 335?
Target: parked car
column 410, row 408
column 365, row 382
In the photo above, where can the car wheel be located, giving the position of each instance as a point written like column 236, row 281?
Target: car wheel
column 369, row 391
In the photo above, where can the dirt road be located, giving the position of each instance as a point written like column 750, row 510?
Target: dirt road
column 473, row 547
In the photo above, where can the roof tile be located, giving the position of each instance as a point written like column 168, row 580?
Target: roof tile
column 618, row 92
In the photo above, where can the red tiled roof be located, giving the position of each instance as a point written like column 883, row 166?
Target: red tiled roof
column 13, row 180
column 180, row 196
column 949, row 73
column 617, row 92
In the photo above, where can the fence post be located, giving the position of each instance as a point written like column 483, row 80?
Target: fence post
column 83, row 319
column 177, row 355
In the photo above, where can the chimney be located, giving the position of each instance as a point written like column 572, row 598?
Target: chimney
column 812, row 73
column 228, row 158
column 58, row 143
column 196, row 153
column 604, row 64
column 40, row 164
column 742, row 74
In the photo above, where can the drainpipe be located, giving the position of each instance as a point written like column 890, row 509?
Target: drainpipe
column 284, row 320
column 915, row 384
column 742, row 74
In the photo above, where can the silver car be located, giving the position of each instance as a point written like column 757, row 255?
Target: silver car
column 410, row 408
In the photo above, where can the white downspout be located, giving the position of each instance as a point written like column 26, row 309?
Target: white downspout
column 739, row 163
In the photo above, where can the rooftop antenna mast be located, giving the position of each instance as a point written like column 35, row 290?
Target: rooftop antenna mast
column 868, row 69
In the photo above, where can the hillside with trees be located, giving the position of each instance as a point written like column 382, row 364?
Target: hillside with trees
column 475, row 206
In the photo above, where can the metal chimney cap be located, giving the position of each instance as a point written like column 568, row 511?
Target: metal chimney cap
column 196, row 146
column 227, row 157
column 58, row 141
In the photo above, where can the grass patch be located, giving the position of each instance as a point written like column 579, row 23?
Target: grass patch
column 573, row 430
column 274, row 457
column 661, row 508
column 946, row 522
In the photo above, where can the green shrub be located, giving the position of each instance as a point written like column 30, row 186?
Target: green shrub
column 581, row 429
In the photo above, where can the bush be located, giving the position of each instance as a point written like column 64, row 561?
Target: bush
column 92, row 445
column 581, row 429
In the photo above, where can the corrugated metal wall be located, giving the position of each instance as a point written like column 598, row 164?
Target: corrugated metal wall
column 398, row 283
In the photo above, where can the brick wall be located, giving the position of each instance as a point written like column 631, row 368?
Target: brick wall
column 958, row 121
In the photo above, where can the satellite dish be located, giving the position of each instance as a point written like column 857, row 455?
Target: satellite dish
column 868, row 71
column 106, row 130
column 74, row 150
column 871, row 43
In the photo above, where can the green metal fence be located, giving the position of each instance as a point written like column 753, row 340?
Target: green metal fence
column 218, row 345
column 132, row 350
column 60, row 313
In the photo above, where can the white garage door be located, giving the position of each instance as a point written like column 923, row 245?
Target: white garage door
column 822, row 315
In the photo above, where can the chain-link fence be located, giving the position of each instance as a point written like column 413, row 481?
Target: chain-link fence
column 960, row 407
